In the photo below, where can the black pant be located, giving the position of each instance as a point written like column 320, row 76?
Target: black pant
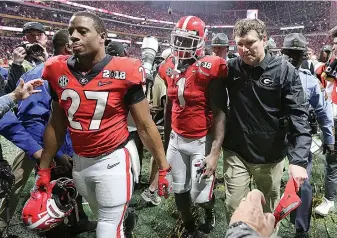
column 331, row 171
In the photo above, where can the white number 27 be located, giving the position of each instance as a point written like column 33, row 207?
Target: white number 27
column 100, row 97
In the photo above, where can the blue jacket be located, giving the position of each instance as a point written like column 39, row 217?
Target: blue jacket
column 322, row 108
column 27, row 129
column 4, row 72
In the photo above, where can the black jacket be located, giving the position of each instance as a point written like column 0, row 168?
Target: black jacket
column 268, row 117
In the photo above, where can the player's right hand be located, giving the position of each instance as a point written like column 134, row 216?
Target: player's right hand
column 164, row 182
column 43, row 178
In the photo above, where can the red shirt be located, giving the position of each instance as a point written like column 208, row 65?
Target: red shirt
column 96, row 103
column 188, row 91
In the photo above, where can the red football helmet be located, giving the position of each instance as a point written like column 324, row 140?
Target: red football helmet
column 47, row 209
column 188, row 38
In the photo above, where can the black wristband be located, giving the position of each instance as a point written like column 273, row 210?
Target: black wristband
column 240, row 224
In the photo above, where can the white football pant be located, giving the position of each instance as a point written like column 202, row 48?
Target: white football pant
column 183, row 154
column 106, row 182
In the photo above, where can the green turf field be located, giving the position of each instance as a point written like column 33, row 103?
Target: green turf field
column 163, row 220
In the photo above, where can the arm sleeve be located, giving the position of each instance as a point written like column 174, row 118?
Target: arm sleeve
column 218, row 94
column 12, row 130
column 6, row 103
column 296, row 110
column 14, row 74
column 241, row 232
column 323, row 110
column 134, row 95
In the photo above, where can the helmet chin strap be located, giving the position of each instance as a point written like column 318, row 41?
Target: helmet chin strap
column 180, row 67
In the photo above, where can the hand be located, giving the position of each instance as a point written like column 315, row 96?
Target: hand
column 19, row 55
column 328, row 148
column 37, row 154
column 299, row 174
column 63, row 164
column 211, row 162
column 43, row 178
column 250, row 211
column 164, row 182
column 24, row 90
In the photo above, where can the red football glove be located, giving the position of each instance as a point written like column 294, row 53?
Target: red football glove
column 164, row 182
column 43, row 177
column 289, row 201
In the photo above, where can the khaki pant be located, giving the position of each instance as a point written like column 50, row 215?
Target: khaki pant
column 238, row 174
column 22, row 168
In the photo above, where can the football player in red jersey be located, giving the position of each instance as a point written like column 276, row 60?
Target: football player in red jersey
column 93, row 93
column 197, row 130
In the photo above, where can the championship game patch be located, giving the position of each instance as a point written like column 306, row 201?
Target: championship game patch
column 63, row 81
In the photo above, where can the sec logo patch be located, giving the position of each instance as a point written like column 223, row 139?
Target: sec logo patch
column 63, row 81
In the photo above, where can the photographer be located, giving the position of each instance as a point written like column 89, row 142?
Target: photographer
column 294, row 49
column 32, row 52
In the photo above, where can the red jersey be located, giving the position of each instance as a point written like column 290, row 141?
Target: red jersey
column 188, row 91
column 95, row 102
column 319, row 72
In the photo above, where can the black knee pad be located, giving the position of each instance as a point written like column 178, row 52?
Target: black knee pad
column 184, row 204
column 183, row 201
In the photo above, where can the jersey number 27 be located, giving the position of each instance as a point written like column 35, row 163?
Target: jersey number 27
column 101, row 102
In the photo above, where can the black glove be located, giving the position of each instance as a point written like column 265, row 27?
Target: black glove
column 7, row 179
column 328, row 149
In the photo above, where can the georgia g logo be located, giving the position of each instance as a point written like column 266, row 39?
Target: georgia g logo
column 63, row 81
column 266, row 81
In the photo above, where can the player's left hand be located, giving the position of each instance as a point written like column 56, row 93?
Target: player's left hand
column 164, row 182
column 299, row 174
column 211, row 162
column 63, row 164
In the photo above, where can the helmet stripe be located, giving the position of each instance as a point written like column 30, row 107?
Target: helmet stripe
column 40, row 221
column 186, row 22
